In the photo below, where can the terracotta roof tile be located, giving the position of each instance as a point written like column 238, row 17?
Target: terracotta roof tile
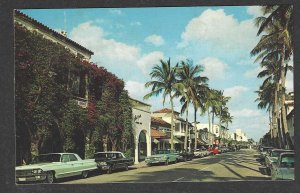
column 165, row 110
column 158, row 121
column 157, row 134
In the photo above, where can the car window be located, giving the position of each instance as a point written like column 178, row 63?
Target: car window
column 287, row 161
column 65, row 158
column 114, row 156
column 44, row 158
column 72, row 157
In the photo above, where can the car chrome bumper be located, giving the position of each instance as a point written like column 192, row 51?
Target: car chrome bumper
column 35, row 178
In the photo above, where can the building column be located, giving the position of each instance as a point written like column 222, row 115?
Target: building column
column 148, row 140
column 136, row 150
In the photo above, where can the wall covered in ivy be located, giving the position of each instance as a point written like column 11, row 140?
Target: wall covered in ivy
column 47, row 117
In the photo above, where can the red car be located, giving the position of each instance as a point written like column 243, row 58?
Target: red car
column 214, row 150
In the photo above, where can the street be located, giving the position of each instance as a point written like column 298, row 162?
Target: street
column 230, row 166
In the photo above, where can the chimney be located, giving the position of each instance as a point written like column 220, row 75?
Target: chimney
column 64, row 33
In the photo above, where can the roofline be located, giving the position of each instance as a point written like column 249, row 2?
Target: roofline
column 139, row 101
column 55, row 33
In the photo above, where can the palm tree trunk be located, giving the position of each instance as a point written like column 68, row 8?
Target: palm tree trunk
column 283, row 108
column 186, row 129
column 172, row 123
column 209, row 126
column 195, row 128
column 276, row 101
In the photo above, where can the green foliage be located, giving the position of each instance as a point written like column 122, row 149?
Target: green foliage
column 47, row 117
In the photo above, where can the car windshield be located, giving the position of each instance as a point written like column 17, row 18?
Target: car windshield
column 287, row 160
column 103, row 155
column 47, row 158
column 162, row 151
column 276, row 153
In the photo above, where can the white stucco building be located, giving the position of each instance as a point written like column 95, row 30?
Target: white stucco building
column 142, row 127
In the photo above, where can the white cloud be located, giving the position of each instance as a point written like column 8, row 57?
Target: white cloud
column 111, row 52
column 135, row 23
column 255, row 11
column 146, row 62
column 115, row 11
column 253, row 72
column 105, row 50
column 235, row 91
column 136, row 90
column 155, row 40
column 245, row 113
column 221, row 30
column 214, row 69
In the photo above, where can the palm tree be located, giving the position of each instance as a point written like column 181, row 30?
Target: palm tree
column 221, row 110
column 164, row 82
column 277, row 41
column 199, row 103
column 267, row 95
column 210, row 101
column 190, row 81
column 216, row 104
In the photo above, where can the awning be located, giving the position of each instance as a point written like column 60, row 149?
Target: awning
column 175, row 140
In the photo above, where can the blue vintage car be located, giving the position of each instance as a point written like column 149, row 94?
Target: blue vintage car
column 272, row 157
column 284, row 168
column 162, row 157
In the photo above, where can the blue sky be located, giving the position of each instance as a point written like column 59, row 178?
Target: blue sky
column 130, row 41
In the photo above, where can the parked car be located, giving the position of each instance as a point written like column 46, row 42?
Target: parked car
column 112, row 160
column 201, row 152
column 272, row 157
column 284, row 168
column 49, row 167
column 263, row 152
column 214, row 150
column 162, row 157
column 185, row 155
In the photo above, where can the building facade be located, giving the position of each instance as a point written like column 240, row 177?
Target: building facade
column 142, row 129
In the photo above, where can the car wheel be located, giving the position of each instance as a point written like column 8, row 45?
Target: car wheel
column 185, row 159
column 109, row 171
column 126, row 167
column 49, row 177
column 85, row 174
column 175, row 161
column 167, row 162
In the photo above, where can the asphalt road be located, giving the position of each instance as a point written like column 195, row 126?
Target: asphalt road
column 231, row 166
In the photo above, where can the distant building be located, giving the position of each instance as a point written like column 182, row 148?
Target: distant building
column 239, row 135
column 180, row 125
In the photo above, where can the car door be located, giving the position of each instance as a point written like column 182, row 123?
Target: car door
column 77, row 165
column 67, row 167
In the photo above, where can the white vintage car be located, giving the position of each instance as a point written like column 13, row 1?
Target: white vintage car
column 48, row 167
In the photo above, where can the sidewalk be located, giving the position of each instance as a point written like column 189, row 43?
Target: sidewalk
column 142, row 164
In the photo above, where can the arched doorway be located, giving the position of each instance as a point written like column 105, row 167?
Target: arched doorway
column 142, row 146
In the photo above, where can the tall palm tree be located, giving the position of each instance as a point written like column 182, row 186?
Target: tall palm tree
column 190, row 79
column 210, row 101
column 277, row 26
column 199, row 103
column 164, row 82
column 221, row 110
column 215, row 106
